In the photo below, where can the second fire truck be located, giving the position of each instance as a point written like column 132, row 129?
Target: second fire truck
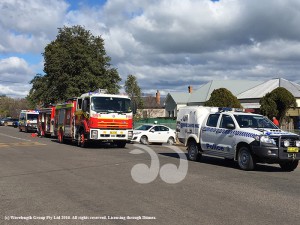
column 95, row 117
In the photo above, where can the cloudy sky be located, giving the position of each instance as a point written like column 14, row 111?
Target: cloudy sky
column 167, row 44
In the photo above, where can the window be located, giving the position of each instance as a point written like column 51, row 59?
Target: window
column 212, row 120
column 164, row 128
column 226, row 119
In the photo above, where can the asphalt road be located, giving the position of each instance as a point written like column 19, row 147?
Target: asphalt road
column 44, row 182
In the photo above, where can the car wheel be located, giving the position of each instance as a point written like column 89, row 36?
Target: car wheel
column 193, row 151
column 245, row 159
column 171, row 141
column 289, row 166
column 144, row 140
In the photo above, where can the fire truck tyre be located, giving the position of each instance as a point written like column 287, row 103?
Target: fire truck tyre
column 121, row 144
column 193, row 151
column 171, row 141
column 60, row 136
column 26, row 129
column 245, row 159
column 81, row 140
column 289, row 166
column 144, row 140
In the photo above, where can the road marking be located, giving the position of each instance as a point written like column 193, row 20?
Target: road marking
column 14, row 137
column 23, row 144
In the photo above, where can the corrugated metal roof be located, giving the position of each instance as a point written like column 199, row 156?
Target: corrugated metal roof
column 180, row 97
column 234, row 86
column 261, row 90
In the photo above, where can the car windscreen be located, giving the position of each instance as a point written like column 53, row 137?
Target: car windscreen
column 32, row 116
column 254, row 121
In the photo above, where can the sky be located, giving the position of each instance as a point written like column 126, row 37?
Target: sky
column 167, row 44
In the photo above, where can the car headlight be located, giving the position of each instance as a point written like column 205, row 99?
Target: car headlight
column 297, row 143
column 265, row 139
column 286, row 143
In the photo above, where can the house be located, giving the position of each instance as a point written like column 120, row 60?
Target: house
column 247, row 92
column 153, row 107
column 176, row 100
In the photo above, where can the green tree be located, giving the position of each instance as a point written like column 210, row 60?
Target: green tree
column 134, row 92
column 75, row 63
column 223, row 98
column 277, row 103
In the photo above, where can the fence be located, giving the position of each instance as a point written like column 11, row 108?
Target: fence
column 169, row 122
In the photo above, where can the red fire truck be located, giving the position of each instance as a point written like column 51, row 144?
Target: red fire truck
column 46, row 121
column 95, row 116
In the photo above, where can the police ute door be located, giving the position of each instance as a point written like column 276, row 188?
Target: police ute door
column 225, row 136
column 208, row 133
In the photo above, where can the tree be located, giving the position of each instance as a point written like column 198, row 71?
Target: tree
column 75, row 63
column 223, row 98
column 277, row 103
column 134, row 92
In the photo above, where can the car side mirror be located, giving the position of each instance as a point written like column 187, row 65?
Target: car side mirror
column 152, row 130
column 230, row 126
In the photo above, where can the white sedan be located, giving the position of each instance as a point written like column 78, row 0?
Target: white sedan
column 153, row 133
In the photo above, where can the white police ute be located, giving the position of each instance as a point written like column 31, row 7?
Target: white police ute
column 233, row 134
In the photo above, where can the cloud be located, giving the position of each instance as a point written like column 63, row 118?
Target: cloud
column 169, row 44
column 15, row 75
column 26, row 26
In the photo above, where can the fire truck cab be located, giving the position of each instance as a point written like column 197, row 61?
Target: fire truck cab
column 95, row 117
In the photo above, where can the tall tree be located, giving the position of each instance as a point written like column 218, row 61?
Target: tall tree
column 75, row 63
column 134, row 92
column 277, row 103
column 223, row 98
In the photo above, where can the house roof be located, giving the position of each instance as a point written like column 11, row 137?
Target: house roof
column 234, row 86
column 261, row 90
column 179, row 97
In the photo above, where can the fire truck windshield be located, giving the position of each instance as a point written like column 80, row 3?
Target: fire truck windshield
column 110, row 105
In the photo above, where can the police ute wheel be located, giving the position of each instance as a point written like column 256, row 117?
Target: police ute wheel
column 289, row 166
column 245, row 159
column 144, row 140
column 193, row 151
column 171, row 141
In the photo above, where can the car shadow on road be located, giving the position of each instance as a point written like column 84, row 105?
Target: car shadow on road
column 229, row 163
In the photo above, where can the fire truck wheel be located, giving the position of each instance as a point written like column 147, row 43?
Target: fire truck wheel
column 60, row 136
column 245, row 159
column 81, row 140
column 121, row 144
column 26, row 130
column 144, row 140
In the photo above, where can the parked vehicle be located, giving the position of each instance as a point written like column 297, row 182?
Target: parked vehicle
column 94, row 117
column 233, row 134
column 28, row 120
column 7, row 121
column 45, row 122
column 15, row 124
column 153, row 133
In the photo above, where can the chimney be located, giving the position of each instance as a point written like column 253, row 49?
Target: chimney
column 190, row 89
column 158, row 97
